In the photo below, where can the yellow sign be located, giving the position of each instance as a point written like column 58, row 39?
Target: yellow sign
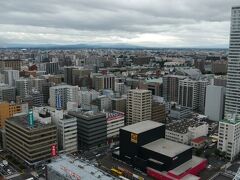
column 134, row 138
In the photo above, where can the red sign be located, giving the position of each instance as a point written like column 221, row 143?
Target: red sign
column 54, row 150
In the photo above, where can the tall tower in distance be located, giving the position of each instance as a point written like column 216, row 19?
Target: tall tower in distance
column 232, row 103
column 229, row 127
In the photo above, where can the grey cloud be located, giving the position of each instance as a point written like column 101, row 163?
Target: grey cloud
column 110, row 20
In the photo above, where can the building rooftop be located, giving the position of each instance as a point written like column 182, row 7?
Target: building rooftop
column 22, row 121
column 166, row 147
column 139, row 90
column 142, row 126
column 115, row 115
column 86, row 114
column 182, row 126
column 180, row 108
column 199, row 140
column 67, row 166
column 187, row 165
column 62, row 86
column 154, row 80
column 231, row 119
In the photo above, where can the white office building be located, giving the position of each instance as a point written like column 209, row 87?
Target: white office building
column 229, row 136
column 10, row 76
column 214, row 106
column 60, row 95
column 67, row 133
column 191, row 93
column 186, row 130
column 86, row 98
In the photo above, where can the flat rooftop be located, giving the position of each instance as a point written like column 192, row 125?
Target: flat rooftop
column 67, row 166
column 86, row 114
column 187, row 165
column 22, row 121
column 190, row 177
column 183, row 125
column 139, row 90
column 142, row 126
column 166, row 147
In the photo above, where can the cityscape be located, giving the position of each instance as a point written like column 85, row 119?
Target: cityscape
column 128, row 90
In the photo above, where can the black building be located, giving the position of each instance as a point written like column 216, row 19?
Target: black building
column 136, row 135
column 144, row 145
column 91, row 127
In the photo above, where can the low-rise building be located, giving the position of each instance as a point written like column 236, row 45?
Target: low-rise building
column 115, row 121
column 198, row 142
column 186, row 130
column 66, row 167
column 180, row 112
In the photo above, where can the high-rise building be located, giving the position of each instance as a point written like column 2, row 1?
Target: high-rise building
column 66, row 129
column 104, row 82
column 214, row 106
column 24, row 87
column 119, row 104
column 170, row 87
column 191, row 93
column 7, row 93
column 229, row 127
column 38, row 83
column 103, row 103
column 14, row 64
column 68, row 74
column 45, row 91
column 67, row 134
column 139, row 105
column 60, row 95
column 92, row 128
column 37, row 98
column 86, row 98
column 30, row 140
column 120, row 87
column 81, row 77
column 52, row 67
column 232, row 103
column 11, row 76
column 158, row 112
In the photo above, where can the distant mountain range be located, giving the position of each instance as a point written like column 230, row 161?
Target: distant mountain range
column 74, row 46
column 96, row 46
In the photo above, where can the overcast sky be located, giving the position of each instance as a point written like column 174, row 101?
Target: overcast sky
column 153, row 23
